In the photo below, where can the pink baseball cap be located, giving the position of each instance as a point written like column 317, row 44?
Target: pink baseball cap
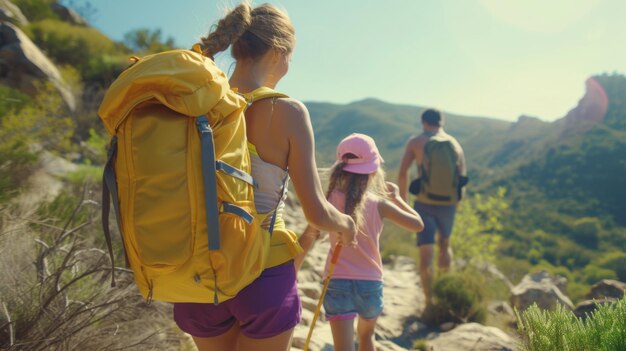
column 364, row 148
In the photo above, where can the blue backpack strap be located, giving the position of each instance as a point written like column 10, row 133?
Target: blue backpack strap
column 210, row 181
column 235, row 172
column 236, row 210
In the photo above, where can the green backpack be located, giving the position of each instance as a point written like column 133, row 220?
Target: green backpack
column 439, row 173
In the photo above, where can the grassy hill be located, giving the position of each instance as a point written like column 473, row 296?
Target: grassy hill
column 391, row 126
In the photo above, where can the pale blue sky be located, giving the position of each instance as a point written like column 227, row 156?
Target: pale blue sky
column 496, row 58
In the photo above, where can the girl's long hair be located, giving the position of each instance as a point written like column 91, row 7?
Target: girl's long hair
column 355, row 186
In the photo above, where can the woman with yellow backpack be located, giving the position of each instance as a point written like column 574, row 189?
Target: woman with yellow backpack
column 263, row 314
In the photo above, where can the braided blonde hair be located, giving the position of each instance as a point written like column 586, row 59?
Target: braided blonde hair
column 251, row 32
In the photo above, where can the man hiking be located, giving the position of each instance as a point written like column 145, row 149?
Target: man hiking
column 438, row 188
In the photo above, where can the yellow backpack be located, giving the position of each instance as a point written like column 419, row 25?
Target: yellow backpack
column 179, row 177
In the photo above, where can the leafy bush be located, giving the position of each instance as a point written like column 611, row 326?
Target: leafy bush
column 457, row 297
column 560, row 330
column 12, row 100
column 592, row 274
column 477, row 228
column 38, row 126
column 420, row 344
column 96, row 57
column 36, row 10
column 615, row 261
column 148, row 41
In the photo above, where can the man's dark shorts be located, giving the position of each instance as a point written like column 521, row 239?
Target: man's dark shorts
column 436, row 218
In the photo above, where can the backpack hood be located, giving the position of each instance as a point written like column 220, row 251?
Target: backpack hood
column 172, row 79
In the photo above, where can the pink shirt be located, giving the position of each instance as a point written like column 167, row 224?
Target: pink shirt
column 362, row 262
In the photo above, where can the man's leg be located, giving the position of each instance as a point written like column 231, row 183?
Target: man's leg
column 445, row 221
column 426, row 260
column 425, row 243
column 445, row 255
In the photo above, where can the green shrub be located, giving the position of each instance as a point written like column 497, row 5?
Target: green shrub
column 420, row 344
column 36, row 10
column 96, row 57
column 560, row 330
column 146, row 41
column 592, row 274
column 12, row 100
column 477, row 228
column 457, row 297
column 86, row 174
column 615, row 261
column 41, row 125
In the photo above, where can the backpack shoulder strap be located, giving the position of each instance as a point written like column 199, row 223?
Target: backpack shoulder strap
column 262, row 93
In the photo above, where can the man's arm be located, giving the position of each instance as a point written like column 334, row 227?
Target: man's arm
column 407, row 160
column 461, row 154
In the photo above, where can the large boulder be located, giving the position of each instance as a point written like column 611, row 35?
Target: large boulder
column 472, row 336
column 607, row 288
column 604, row 292
column 540, row 288
column 22, row 64
column 587, row 307
column 11, row 13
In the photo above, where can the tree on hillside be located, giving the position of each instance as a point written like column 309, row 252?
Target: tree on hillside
column 146, row 40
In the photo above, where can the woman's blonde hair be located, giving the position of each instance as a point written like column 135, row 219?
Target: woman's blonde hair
column 251, row 32
column 355, row 186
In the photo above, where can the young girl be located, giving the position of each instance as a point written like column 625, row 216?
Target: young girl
column 262, row 315
column 357, row 188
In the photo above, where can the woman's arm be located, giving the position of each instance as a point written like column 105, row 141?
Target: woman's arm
column 307, row 241
column 303, row 171
column 398, row 211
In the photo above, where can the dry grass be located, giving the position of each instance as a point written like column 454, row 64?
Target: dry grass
column 55, row 289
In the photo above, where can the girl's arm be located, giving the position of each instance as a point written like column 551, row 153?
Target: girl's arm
column 398, row 211
column 306, row 240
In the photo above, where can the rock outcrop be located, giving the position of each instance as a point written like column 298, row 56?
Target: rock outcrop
column 473, row 336
column 11, row 13
column 590, row 110
column 22, row 64
column 607, row 288
column 66, row 14
column 540, row 288
column 604, row 292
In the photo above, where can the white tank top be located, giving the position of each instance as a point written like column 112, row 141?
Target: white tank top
column 272, row 187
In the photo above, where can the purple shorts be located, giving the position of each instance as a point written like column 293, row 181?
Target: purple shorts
column 270, row 305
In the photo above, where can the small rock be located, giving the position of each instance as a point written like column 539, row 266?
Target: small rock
column 447, row 326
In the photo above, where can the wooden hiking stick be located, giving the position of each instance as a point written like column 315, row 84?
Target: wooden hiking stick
column 331, row 268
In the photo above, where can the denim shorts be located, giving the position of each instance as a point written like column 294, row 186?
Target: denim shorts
column 267, row 307
column 347, row 298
